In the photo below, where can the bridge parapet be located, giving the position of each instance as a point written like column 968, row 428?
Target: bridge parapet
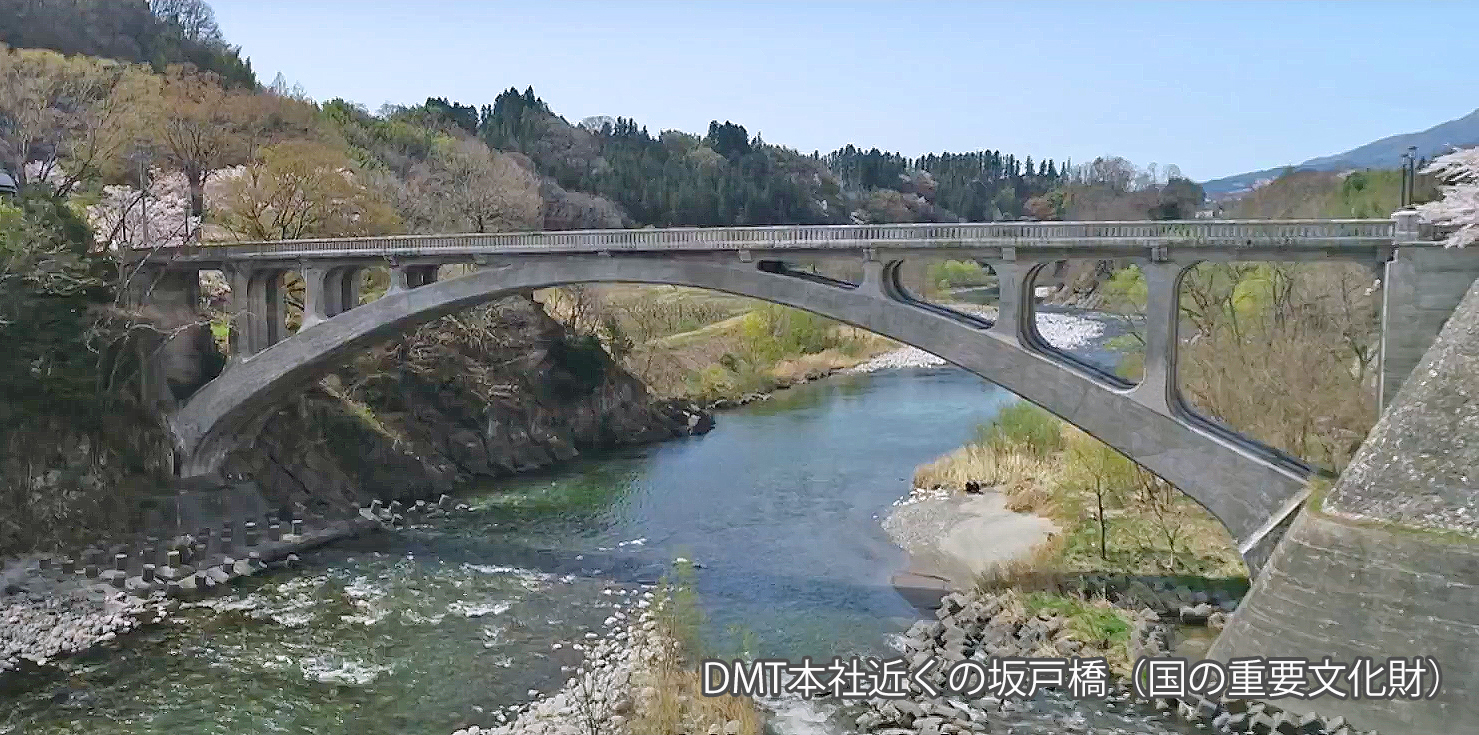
column 1219, row 239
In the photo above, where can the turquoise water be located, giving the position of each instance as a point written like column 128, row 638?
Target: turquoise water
column 442, row 625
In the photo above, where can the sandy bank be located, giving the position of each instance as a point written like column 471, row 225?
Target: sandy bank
column 951, row 539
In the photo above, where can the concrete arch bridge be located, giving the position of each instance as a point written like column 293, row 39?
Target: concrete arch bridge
column 1254, row 490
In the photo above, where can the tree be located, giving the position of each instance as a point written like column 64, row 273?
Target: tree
column 155, row 215
column 729, row 140
column 196, row 133
column 204, row 127
column 50, row 284
column 1179, row 199
column 1459, row 207
column 1113, row 172
column 194, row 18
column 71, row 116
column 183, row 32
column 298, row 189
column 465, row 186
column 1102, row 471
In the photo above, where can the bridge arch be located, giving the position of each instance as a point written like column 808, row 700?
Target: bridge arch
column 1250, row 495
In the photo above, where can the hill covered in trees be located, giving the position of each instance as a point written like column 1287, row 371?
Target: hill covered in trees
column 154, row 32
column 728, row 177
column 192, row 107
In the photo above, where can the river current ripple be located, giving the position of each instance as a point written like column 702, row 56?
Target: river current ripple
column 453, row 622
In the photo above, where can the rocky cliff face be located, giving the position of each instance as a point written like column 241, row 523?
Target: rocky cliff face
column 496, row 391
column 66, row 480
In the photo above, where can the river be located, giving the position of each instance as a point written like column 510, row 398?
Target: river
column 438, row 626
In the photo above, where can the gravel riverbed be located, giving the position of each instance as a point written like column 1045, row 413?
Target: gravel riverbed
column 1063, row 331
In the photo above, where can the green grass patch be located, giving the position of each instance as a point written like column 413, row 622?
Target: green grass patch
column 1089, row 622
column 1023, row 425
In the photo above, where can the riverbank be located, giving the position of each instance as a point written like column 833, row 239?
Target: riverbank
column 55, row 607
column 1063, row 331
column 635, row 678
column 368, row 637
column 951, row 540
column 873, row 354
column 1114, row 516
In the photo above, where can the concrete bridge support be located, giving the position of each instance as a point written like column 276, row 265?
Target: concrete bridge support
column 171, row 367
column 407, row 277
column 1386, row 564
column 258, row 310
column 318, row 289
column 349, row 294
column 1421, row 288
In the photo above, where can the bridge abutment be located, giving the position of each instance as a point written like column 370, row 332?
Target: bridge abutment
column 172, row 366
column 1423, row 285
column 1387, row 563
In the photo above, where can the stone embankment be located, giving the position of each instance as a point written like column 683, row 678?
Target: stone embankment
column 53, row 606
column 979, row 625
column 974, row 625
column 612, row 691
column 598, row 697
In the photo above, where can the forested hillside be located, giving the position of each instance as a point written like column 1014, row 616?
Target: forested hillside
column 603, row 172
column 154, row 32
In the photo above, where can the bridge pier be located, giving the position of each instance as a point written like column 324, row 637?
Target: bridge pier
column 316, row 290
column 1157, row 389
column 333, row 297
column 1421, row 288
column 276, row 308
column 259, row 323
column 239, row 337
column 1014, row 310
column 349, row 288
column 873, row 277
column 258, row 310
column 407, row 277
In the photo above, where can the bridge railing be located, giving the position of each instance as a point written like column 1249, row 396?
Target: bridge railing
column 1185, row 232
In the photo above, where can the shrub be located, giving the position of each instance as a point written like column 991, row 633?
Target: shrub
column 772, row 332
column 1023, row 425
column 948, row 274
column 582, row 362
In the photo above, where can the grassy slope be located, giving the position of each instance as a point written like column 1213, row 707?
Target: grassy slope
column 709, row 346
column 1047, row 467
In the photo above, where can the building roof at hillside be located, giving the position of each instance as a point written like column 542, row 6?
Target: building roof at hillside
column 7, row 184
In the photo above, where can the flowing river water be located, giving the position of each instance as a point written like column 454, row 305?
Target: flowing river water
column 438, row 626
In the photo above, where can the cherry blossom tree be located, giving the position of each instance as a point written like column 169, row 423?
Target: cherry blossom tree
column 128, row 218
column 1459, row 207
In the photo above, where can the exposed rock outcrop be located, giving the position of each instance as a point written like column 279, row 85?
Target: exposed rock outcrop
column 496, row 391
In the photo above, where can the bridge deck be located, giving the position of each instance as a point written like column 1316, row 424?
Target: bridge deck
column 1355, row 238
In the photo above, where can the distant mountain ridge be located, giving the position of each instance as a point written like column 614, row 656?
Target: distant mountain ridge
column 1384, row 153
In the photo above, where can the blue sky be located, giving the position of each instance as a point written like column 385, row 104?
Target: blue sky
column 1216, row 88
